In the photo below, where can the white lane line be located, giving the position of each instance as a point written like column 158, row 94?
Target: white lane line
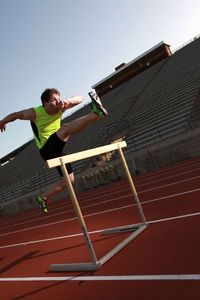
column 175, row 218
column 168, row 184
column 95, row 204
column 65, row 212
column 108, row 278
column 95, row 232
column 137, row 180
column 162, row 172
column 66, row 220
column 108, row 193
column 50, row 239
column 98, row 213
column 108, row 188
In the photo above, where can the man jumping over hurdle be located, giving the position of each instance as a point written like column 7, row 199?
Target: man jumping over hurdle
column 49, row 135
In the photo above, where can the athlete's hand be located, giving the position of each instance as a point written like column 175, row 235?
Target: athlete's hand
column 64, row 104
column 69, row 102
column 61, row 105
column 2, row 126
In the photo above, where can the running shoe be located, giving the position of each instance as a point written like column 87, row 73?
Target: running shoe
column 97, row 106
column 42, row 203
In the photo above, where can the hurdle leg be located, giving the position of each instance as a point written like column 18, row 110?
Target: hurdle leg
column 135, row 229
column 132, row 186
column 94, row 265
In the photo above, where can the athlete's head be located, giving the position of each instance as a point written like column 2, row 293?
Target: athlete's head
column 47, row 95
column 51, row 100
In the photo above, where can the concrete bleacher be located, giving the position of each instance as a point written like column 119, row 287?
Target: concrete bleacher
column 163, row 98
column 158, row 105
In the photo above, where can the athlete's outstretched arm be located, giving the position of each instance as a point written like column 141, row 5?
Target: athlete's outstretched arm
column 26, row 114
column 71, row 102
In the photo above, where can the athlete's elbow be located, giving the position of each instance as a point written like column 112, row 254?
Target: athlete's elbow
column 14, row 116
column 80, row 99
column 19, row 115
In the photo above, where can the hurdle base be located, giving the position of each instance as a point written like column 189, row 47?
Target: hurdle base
column 125, row 228
column 121, row 245
column 95, row 266
column 74, row 267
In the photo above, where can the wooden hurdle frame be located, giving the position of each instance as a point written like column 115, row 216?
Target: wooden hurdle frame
column 136, row 229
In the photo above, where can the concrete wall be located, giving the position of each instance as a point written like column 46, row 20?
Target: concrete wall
column 168, row 152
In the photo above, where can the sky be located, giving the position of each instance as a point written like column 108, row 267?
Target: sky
column 73, row 44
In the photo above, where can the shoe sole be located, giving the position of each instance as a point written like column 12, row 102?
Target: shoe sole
column 100, row 106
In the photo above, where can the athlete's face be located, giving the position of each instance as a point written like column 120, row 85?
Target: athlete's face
column 52, row 106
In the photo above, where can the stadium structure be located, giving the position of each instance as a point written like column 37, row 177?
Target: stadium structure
column 154, row 105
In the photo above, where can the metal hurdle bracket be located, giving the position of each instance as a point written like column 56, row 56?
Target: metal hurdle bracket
column 135, row 230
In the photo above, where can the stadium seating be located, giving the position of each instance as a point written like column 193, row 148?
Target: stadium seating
column 158, row 104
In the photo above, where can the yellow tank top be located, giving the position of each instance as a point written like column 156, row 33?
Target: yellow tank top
column 44, row 125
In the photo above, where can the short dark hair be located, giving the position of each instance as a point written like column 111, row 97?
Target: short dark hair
column 46, row 95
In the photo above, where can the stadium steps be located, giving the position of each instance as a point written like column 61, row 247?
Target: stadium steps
column 154, row 105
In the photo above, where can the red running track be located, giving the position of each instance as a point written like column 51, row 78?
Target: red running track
column 161, row 263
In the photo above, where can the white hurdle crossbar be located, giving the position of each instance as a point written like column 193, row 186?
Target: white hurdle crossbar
column 96, row 264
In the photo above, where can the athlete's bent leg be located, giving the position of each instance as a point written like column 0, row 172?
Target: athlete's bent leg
column 57, row 187
column 76, row 126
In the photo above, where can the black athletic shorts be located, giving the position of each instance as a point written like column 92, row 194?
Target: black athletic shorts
column 54, row 148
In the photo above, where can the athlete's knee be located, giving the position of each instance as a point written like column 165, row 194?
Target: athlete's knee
column 71, row 176
column 64, row 131
column 65, row 126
